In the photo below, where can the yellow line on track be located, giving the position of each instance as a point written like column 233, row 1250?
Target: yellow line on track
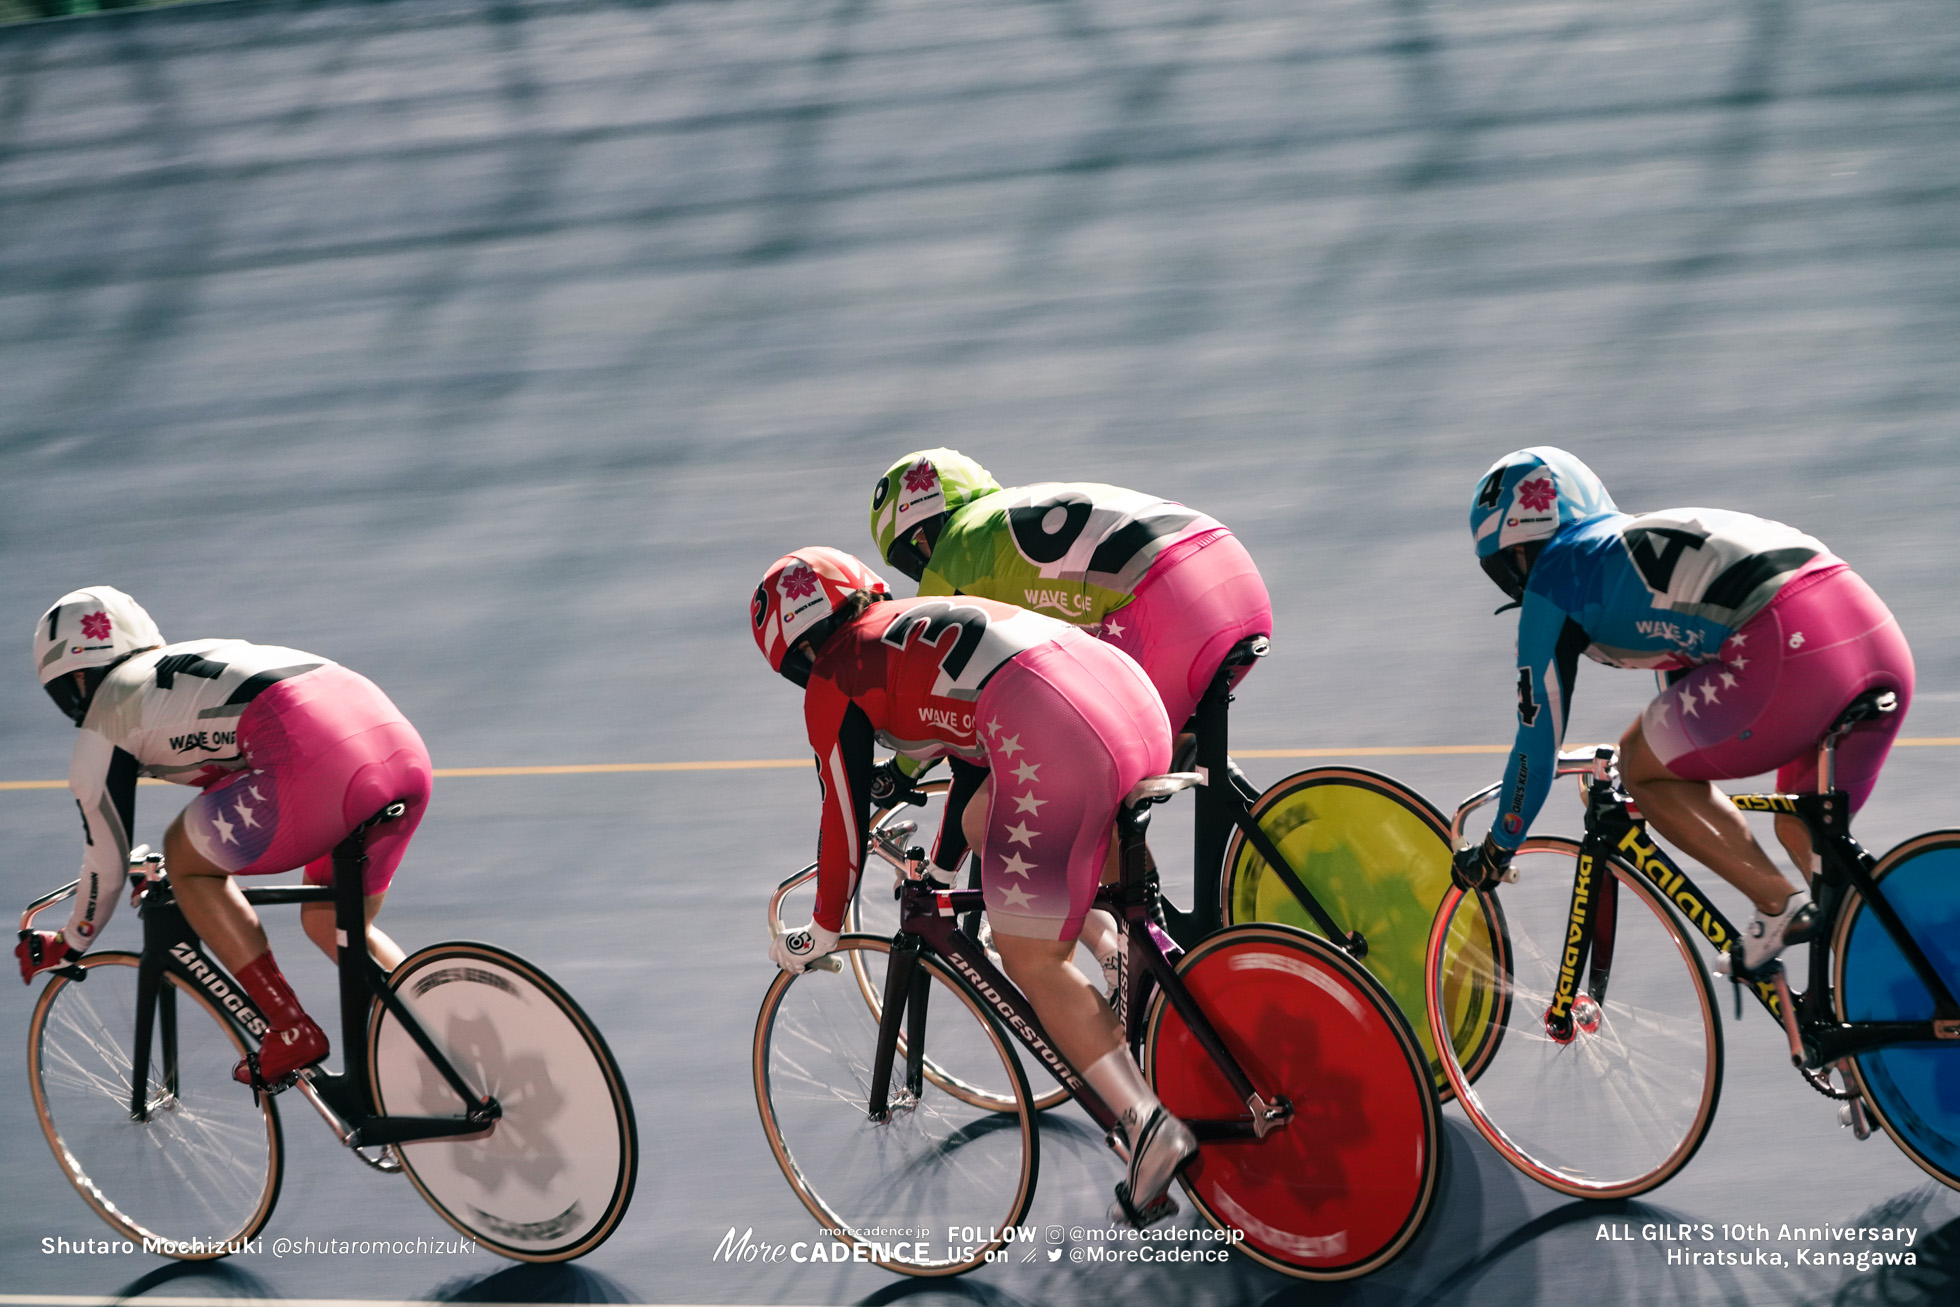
column 776, row 764
column 152, row 1300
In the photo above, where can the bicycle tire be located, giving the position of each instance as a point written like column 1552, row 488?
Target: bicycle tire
column 1377, row 856
column 200, row 1176
column 1332, row 1193
column 1624, row 1104
column 939, row 1162
column 552, row 1179
column 1913, row 1089
column 873, row 911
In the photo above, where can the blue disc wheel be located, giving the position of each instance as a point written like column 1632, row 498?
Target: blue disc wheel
column 1914, row 1089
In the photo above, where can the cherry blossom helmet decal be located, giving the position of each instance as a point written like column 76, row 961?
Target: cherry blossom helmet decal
column 918, row 493
column 803, row 596
column 88, row 631
column 1525, row 498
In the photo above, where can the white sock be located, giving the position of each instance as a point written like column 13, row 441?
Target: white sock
column 1117, row 1081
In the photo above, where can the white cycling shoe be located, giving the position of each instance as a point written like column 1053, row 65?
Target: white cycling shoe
column 1767, row 935
column 1157, row 1153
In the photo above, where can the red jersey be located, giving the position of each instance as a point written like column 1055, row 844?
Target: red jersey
column 908, row 674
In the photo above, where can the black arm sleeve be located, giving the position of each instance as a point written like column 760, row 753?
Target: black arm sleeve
column 1572, row 641
column 855, row 739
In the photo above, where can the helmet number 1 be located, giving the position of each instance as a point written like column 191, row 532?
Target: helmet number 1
column 173, row 665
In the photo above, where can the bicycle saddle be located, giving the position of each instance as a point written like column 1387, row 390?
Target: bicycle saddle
column 1870, row 704
column 1247, row 651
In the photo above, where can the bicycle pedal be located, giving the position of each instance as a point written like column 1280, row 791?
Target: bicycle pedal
column 1851, row 1116
column 1729, row 966
column 1123, row 1212
column 250, row 1065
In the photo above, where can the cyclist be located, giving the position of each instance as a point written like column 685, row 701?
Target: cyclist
column 1068, row 726
column 1171, row 587
column 291, row 751
column 1763, row 636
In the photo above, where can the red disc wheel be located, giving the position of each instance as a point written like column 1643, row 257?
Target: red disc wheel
column 1343, row 1186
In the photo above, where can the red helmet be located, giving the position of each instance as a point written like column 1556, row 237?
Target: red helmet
column 803, row 596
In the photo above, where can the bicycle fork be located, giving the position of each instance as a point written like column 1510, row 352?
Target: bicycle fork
column 906, row 986
column 1590, row 932
column 156, row 1020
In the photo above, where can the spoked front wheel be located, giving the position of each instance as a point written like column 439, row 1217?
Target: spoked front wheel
column 1913, row 1088
column 1343, row 1186
column 939, row 1161
column 196, row 1166
column 1614, row 1100
column 552, row 1178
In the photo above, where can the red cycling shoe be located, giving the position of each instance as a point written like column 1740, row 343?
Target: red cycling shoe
column 282, row 1053
column 293, row 1042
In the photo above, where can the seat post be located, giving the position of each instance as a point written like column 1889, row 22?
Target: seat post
column 1872, row 703
column 350, row 935
column 1213, row 825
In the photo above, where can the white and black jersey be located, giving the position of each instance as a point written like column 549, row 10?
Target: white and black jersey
column 172, row 714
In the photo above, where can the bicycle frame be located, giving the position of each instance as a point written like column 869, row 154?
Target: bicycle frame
column 1614, row 830
column 1221, row 806
column 345, row 1100
column 930, row 920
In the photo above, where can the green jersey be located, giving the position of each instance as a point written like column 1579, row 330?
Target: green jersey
column 1075, row 550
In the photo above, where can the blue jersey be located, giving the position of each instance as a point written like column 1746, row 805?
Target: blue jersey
column 1661, row 590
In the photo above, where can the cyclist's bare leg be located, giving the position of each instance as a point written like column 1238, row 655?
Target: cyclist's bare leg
column 1076, row 1017
column 1099, row 934
column 1702, row 823
column 1795, row 838
column 317, row 920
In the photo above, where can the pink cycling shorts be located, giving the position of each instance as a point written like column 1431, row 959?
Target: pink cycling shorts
column 324, row 751
column 1201, row 596
column 1779, row 683
column 1069, row 728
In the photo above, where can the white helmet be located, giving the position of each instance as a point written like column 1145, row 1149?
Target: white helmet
column 88, row 631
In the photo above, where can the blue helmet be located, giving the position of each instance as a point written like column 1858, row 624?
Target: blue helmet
column 1525, row 499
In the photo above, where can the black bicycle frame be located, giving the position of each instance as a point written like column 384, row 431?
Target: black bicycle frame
column 930, row 919
column 1613, row 831
column 1224, row 801
column 170, row 945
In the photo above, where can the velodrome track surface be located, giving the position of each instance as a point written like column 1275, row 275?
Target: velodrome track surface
column 493, row 347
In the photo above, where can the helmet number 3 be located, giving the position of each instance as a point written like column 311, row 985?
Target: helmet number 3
column 930, row 621
column 967, row 660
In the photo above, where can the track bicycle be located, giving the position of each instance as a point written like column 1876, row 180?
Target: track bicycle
column 1318, row 1128
column 466, row 1069
column 1340, row 852
column 1609, row 1061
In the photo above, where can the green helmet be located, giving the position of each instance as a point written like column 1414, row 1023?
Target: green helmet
column 912, row 500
